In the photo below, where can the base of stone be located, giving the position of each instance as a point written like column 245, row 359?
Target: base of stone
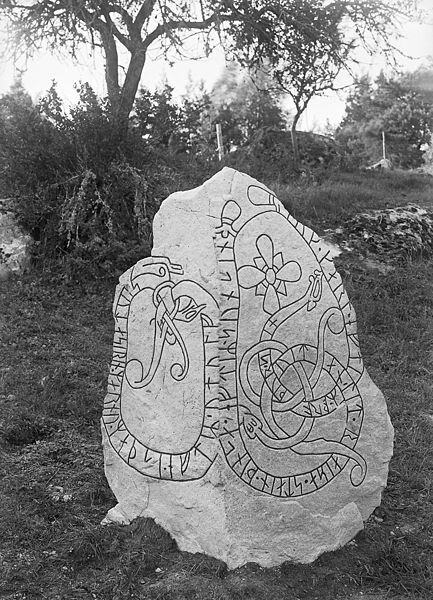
column 198, row 518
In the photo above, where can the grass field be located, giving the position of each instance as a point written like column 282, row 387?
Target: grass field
column 55, row 349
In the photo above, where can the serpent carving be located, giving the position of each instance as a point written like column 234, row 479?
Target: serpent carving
column 279, row 354
column 173, row 304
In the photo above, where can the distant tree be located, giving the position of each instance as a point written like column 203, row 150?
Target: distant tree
column 30, row 145
column 157, row 115
column 393, row 106
column 68, row 188
column 421, row 81
column 323, row 37
column 246, row 102
column 241, row 103
column 251, row 29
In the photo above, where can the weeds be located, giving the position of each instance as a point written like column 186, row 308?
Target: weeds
column 327, row 204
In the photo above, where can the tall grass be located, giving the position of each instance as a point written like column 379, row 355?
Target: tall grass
column 328, row 202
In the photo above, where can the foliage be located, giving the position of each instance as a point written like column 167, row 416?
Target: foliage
column 304, row 37
column 31, row 149
column 245, row 104
column 83, row 199
column 305, row 63
column 269, row 157
column 91, row 205
column 72, row 190
column 157, row 116
column 400, row 107
column 304, row 53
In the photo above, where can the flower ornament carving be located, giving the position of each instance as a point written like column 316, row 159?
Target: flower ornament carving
column 269, row 274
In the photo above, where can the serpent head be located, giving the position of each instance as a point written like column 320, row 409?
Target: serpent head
column 153, row 271
column 314, row 291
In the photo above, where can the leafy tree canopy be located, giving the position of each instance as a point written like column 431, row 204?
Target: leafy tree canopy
column 401, row 107
column 302, row 40
column 305, row 50
column 248, row 102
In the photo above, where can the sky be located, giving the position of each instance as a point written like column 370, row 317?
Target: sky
column 40, row 71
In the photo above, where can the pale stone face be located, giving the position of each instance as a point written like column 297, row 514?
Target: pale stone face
column 239, row 414
column 13, row 244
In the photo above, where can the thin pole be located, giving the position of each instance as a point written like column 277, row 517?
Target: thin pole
column 383, row 145
column 219, row 141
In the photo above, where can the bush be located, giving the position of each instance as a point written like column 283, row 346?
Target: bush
column 75, row 188
column 88, row 195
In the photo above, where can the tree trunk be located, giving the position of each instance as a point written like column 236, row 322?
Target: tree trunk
column 121, row 98
column 129, row 91
column 111, row 69
column 295, row 147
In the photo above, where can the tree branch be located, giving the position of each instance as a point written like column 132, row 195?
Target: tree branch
column 143, row 14
column 127, row 19
column 115, row 31
column 176, row 25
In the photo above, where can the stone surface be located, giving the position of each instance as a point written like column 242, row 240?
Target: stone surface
column 13, row 243
column 389, row 235
column 239, row 414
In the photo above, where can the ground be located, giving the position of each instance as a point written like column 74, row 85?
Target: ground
column 55, row 349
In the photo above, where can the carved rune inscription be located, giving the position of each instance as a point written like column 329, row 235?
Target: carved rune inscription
column 278, row 358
